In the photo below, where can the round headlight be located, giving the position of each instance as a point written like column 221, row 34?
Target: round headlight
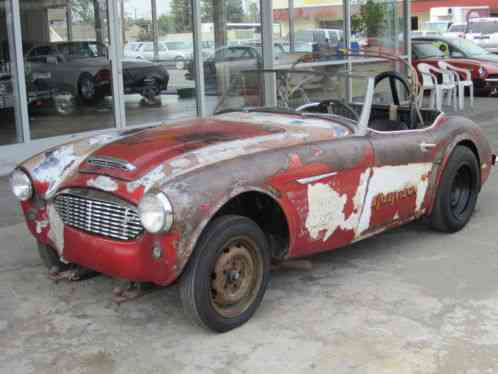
column 156, row 213
column 482, row 72
column 21, row 185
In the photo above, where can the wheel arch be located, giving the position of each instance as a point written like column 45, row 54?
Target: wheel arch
column 461, row 141
column 249, row 202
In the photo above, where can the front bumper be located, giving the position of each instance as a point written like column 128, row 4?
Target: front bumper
column 131, row 260
column 126, row 260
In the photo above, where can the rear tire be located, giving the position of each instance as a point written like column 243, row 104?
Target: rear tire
column 458, row 191
column 227, row 275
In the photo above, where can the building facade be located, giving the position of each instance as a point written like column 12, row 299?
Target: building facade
column 73, row 67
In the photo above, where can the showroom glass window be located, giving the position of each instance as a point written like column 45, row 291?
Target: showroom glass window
column 67, row 66
column 157, row 59
column 311, row 31
column 231, row 43
column 8, row 131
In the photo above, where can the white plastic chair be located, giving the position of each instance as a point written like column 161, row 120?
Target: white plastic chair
column 463, row 79
column 438, row 90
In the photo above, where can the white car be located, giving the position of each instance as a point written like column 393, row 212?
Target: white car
column 484, row 32
column 456, row 30
column 171, row 51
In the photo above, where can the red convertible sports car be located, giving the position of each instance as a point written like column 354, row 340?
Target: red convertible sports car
column 212, row 202
column 461, row 53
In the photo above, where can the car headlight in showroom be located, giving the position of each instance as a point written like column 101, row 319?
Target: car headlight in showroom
column 21, row 185
column 156, row 213
column 482, row 72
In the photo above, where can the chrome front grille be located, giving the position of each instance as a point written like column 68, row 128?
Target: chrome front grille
column 111, row 163
column 98, row 213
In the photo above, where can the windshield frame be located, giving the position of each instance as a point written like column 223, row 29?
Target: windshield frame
column 360, row 127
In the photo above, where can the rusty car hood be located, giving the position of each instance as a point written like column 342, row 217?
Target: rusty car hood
column 203, row 141
column 130, row 163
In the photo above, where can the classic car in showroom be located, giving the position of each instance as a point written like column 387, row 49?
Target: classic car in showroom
column 212, row 202
column 83, row 70
column 461, row 53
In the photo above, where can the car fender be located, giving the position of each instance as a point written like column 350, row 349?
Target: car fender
column 196, row 222
column 483, row 152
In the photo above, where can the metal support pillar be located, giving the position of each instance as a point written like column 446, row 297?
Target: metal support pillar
column 268, row 52
column 292, row 33
column 69, row 20
column 124, row 24
column 407, row 13
column 198, row 58
column 99, row 32
column 155, row 29
column 18, row 76
column 220, row 19
column 116, row 48
column 346, row 5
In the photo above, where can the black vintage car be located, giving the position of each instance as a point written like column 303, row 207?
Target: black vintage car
column 83, row 69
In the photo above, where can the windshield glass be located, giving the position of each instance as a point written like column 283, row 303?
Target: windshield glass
column 83, row 49
column 435, row 26
column 457, row 28
column 178, row 45
column 469, row 48
column 427, row 50
column 486, row 27
column 295, row 89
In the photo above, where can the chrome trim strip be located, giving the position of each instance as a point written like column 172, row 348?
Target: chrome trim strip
column 315, row 178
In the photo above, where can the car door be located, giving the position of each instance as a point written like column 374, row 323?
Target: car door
column 324, row 188
column 399, row 182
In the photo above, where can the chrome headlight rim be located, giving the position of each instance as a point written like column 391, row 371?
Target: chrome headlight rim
column 156, row 200
column 21, row 176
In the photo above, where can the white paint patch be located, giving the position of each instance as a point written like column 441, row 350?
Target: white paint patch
column 103, row 183
column 103, row 139
column 180, row 163
column 40, row 225
column 275, row 119
column 56, row 232
column 156, row 175
column 389, row 179
column 326, row 208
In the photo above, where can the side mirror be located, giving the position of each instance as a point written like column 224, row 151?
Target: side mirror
column 51, row 60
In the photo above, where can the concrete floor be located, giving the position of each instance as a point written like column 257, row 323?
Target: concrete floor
column 408, row 301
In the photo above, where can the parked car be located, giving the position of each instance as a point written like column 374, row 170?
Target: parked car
column 230, row 60
column 83, row 70
column 430, row 28
column 41, row 93
column 168, row 51
column 212, row 202
column 484, row 32
column 456, row 30
column 462, row 53
column 310, row 40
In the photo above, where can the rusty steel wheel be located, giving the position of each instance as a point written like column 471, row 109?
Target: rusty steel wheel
column 235, row 277
column 227, row 275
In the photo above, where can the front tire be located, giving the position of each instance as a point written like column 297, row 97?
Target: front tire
column 227, row 275
column 458, row 192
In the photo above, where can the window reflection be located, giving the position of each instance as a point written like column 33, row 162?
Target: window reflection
column 158, row 48
column 67, row 66
column 8, row 133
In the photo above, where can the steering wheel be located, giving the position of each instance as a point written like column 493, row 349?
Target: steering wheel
column 325, row 105
column 394, row 77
